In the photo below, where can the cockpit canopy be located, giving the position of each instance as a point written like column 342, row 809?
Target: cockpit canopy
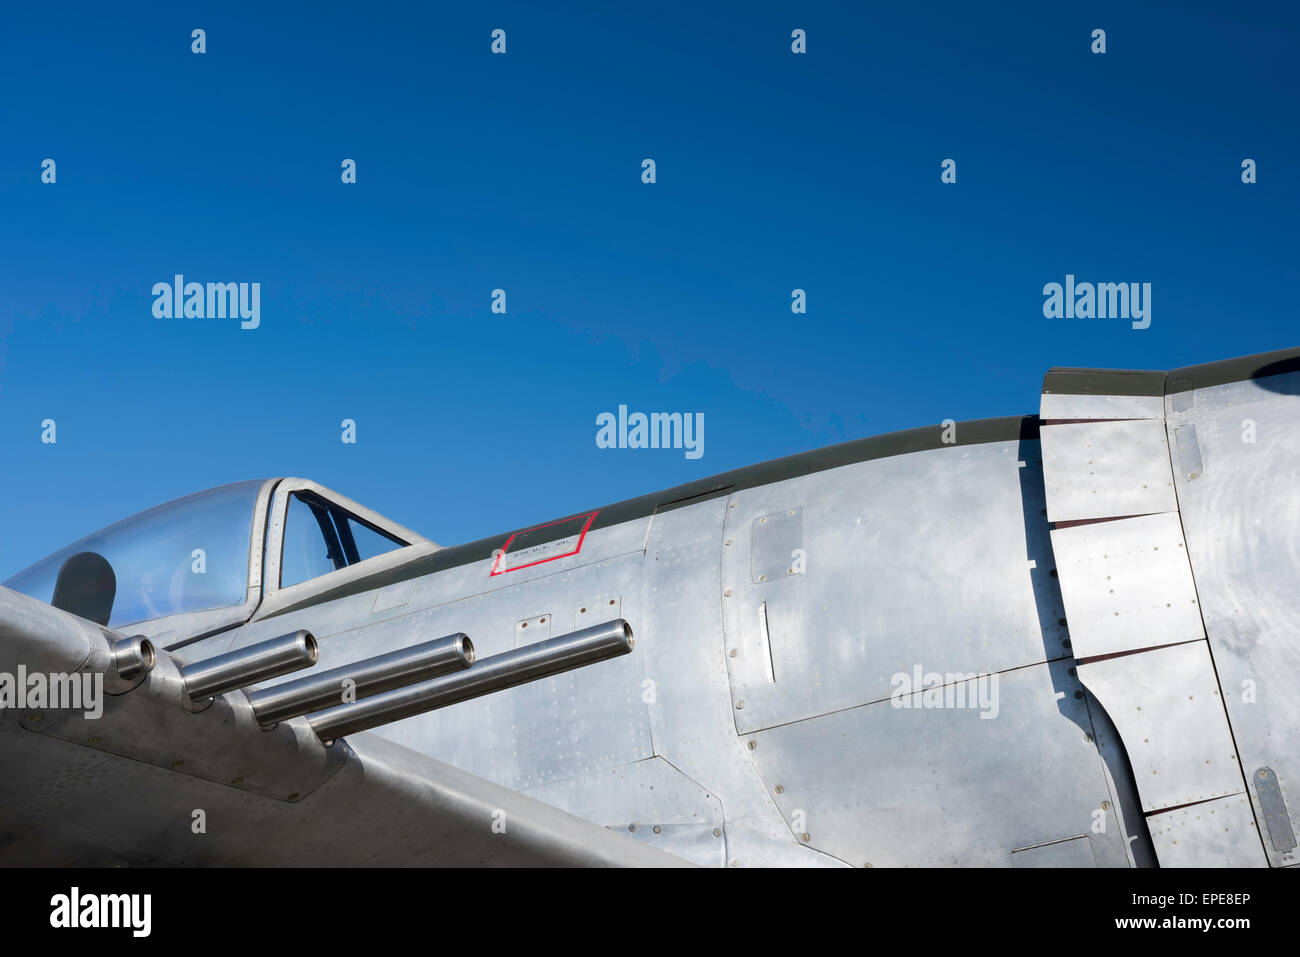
column 225, row 548
column 186, row 555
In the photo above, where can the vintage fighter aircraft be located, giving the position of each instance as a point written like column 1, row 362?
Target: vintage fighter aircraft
column 1068, row 639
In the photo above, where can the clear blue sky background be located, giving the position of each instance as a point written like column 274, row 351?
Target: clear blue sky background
column 522, row 171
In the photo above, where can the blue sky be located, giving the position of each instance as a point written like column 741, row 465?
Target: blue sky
column 523, row 172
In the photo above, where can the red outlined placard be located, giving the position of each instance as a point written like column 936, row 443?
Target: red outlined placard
column 504, row 561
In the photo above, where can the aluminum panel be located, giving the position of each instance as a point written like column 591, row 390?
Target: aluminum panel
column 650, row 801
column 1106, row 469
column 1127, row 584
column 1218, row 833
column 777, row 544
column 1277, row 819
column 690, row 706
column 1167, row 708
column 881, row 785
column 937, row 558
column 1188, row 452
column 1242, row 522
column 1064, row 406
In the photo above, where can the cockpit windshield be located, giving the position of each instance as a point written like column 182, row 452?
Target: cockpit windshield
column 187, row 555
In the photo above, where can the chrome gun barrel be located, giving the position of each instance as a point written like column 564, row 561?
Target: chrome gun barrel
column 132, row 656
column 370, row 676
column 530, row 663
column 245, row 666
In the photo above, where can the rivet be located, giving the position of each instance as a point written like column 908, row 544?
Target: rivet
column 780, row 789
column 753, row 745
column 1078, row 694
column 740, row 703
column 717, row 832
column 805, row 837
column 727, row 593
column 658, row 829
column 632, row 826
column 1105, row 805
column 731, row 653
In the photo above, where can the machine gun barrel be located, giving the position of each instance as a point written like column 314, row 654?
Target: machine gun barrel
column 506, row 670
column 368, row 677
column 245, row 666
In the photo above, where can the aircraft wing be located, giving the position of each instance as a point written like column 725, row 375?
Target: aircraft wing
column 148, row 782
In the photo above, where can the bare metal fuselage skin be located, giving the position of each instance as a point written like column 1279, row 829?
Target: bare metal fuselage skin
column 1061, row 640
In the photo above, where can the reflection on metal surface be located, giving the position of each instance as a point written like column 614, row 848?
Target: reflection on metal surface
column 893, row 578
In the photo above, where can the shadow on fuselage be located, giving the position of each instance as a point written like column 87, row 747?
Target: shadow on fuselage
column 1057, row 646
